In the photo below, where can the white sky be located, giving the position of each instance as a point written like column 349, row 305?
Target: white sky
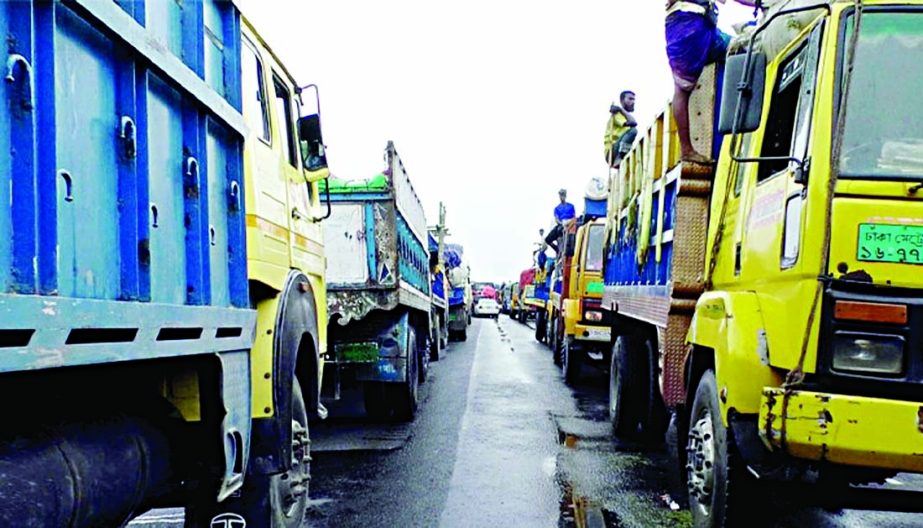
column 493, row 105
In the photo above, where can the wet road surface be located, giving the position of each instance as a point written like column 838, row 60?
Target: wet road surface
column 500, row 440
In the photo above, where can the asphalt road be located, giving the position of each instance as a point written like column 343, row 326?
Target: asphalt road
column 500, row 440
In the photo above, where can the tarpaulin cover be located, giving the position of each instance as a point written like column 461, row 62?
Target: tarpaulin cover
column 457, row 297
column 526, row 277
column 439, row 285
column 487, row 291
column 452, row 257
column 433, row 243
column 594, row 208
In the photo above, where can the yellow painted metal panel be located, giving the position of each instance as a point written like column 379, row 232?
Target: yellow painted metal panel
column 853, row 430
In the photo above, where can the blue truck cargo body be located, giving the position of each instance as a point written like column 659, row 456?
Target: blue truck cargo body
column 120, row 181
column 122, row 227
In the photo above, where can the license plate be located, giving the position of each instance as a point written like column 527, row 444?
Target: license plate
column 599, row 334
column 902, row 244
column 358, row 352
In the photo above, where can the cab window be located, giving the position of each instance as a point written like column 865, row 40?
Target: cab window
column 255, row 108
column 284, row 119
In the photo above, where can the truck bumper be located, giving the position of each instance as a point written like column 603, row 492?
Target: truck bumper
column 592, row 333
column 851, row 430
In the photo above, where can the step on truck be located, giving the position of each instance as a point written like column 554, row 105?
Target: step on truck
column 579, row 332
column 146, row 336
column 378, row 291
column 771, row 304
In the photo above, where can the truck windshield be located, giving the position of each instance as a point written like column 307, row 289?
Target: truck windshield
column 594, row 248
column 883, row 138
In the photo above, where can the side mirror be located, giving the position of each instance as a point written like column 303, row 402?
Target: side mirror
column 312, row 145
column 310, row 138
column 742, row 93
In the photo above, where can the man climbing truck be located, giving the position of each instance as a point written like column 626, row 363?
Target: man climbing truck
column 773, row 303
column 579, row 330
column 135, row 267
column 378, row 291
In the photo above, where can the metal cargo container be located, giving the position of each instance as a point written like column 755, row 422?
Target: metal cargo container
column 122, row 238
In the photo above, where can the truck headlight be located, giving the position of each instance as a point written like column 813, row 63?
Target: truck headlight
column 594, row 316
column 868, row 353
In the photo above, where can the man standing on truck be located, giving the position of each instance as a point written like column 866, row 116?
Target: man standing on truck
column 693, row 42
column 562, row 213
column 621, row 130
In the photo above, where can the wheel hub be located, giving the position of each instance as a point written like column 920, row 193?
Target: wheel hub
column 296, row 479
column 701, row 465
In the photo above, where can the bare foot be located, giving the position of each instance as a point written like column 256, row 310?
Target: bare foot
column 695, row 157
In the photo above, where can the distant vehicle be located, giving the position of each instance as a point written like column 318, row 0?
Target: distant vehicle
column 485, row 307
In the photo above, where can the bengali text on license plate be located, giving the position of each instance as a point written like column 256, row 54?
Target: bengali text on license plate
column 599, row 334
column 890, row 243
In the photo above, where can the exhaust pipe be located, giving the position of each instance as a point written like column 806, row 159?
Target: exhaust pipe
column 99, row 472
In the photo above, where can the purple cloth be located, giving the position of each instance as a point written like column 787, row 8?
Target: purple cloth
column 693, row 42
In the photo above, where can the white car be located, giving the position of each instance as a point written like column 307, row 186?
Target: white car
column 485, row 307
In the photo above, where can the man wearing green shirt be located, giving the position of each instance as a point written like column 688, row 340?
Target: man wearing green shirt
column 621, row 130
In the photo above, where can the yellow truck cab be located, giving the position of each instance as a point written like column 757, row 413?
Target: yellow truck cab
column 283, row 163
column 580, row 327
column 786, row 339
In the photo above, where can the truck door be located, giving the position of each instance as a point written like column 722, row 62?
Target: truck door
column 772, row 240
column 300, row 192
column 264, row 182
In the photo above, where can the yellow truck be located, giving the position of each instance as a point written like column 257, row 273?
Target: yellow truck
column 773, row 304
column 284, row 162
column 579, row 331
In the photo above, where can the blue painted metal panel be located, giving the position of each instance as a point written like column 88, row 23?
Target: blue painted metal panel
column 219, row 178
column 89, row 139
column 85, row 103
column 413, row 258
column 164, row 18
column 165, row 176
column 370, row 253
column 6, row 220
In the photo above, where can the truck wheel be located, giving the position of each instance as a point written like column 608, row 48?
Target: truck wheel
column 540, row 328
column 463, row 334
column 423, row 355
column 404, row 396
column 626, row 403
column 376, row 401
column 655, row 420
column 572, row 362
column 288, row 492
column 718, row 484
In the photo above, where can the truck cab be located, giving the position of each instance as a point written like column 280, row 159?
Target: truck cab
column 583, row 327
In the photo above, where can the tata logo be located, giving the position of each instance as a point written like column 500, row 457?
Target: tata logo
column 228, row 520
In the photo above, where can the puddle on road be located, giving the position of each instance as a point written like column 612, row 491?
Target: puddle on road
column 605, row 482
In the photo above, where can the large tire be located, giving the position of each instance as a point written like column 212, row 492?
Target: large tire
column 717, row 481
column 655, row 419
column 571, row 362
column 463, row 335
column 376, row 400
column 540, row 328
column 404, row 397
column 626, row 398
column 288, row 492
column 423, row 357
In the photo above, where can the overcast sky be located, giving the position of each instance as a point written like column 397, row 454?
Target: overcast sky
column 493, row 105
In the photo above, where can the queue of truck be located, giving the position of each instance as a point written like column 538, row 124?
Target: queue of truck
column 180, row 275
column 759, row 315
